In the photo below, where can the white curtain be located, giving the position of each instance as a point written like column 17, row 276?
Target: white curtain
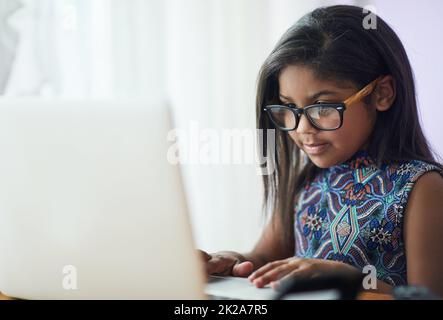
column 8, row 41
column 201, row 56
column 88, row 48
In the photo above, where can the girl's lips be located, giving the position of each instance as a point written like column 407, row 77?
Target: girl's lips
column 315, row 149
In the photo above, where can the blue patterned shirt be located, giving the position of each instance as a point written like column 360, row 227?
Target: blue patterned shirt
column 353, row 212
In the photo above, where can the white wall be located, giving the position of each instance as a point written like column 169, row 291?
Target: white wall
column 420, row 26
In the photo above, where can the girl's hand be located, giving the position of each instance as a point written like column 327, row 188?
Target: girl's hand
column 275, row 272
column 226, row 263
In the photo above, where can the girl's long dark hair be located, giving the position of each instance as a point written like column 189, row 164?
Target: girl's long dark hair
column 334, row 44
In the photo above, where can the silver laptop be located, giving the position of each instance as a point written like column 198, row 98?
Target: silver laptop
column 91, row 209
column 89, row 206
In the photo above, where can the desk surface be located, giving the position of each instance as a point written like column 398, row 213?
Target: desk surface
column 3, row 297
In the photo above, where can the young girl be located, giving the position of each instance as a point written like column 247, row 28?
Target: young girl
column 355, row 183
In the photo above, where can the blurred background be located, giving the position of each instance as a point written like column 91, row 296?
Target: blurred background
column 202, row 58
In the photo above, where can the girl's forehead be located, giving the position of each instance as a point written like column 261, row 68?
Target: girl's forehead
column 295, row 80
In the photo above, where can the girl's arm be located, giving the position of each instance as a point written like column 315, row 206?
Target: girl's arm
column 424, row 233
column 271, row 245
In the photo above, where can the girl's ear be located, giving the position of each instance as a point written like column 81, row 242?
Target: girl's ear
column 384, row 93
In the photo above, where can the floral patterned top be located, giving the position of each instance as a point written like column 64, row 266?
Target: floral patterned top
column 353, row 212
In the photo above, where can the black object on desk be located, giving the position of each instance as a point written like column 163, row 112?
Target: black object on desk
column 348, row 285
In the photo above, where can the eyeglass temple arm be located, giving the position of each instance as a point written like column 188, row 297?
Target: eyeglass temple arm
column 363, row 92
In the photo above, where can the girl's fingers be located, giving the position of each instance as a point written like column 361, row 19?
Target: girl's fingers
column 298, row 273
column 211, row 266
column 223, row 266
column 275, row 285
column 266, row 268
column 205, row 256
column 242, row 269
column 218, row 265
column 273, row 275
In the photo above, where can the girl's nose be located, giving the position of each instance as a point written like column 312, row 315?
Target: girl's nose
column 305, row 126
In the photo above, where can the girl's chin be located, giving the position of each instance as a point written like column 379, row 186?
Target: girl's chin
column 323, row 161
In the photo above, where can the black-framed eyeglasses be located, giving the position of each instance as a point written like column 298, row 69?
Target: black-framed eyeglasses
column 322, row 116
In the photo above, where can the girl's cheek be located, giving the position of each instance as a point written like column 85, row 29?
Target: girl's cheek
column 336, row 136
column 294, row 139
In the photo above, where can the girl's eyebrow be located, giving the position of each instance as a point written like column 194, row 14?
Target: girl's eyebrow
column 314, row 96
